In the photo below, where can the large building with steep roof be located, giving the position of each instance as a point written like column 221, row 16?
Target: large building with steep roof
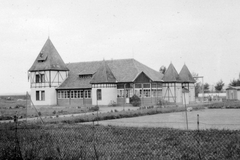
column 104, row 82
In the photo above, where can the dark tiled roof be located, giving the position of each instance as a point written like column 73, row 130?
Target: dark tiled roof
column 124, row 70
column 185, row 75
column 171, row 74
column 103, row 75
column 233, row 88
column 48, row 59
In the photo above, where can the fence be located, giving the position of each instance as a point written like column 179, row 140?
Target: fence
column 22, row 141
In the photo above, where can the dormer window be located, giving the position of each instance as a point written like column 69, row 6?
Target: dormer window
column 42, row 57
column 85, row 76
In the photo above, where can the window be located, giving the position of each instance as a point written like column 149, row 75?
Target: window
column 146, row 92
column 43, row 95
column 72, row 94
column 120, row 93
column 40, row 95
column 99, row 94
column 37, row 96
column 81, row 94
column 146, row 85
column 138, row 85
column 85, row 76
column 75, row 94
column 87, row 94
column 40, row 78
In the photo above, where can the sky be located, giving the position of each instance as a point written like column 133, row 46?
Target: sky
column 204, row 35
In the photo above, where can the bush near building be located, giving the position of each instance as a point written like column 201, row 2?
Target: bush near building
column 135, row 100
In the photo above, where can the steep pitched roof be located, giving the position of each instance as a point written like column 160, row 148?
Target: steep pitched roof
column 103, row 75
column 185, row 75
column 48, row 59
column 171, row 74
column 124, row 70
column 233, row 88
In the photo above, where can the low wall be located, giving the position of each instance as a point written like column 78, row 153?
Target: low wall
column 74, row 102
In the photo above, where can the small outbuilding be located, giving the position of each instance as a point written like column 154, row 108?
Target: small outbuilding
column 233, row 92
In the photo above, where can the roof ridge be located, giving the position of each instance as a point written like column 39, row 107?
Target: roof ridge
column 100, row 61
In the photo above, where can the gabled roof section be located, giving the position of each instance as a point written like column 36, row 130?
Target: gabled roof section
column 124, row 70
column 142, row 78
column 233, row 88
column 185, row 75
column 103, row 75
column 171, row 74
column 48, row 59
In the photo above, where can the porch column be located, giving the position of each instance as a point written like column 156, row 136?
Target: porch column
column 151, row 91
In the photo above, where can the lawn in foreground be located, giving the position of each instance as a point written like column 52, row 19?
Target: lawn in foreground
column 208, row 118
column 109, row 142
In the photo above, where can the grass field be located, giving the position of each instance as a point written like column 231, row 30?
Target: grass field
column 208, row 118
column 109, row 142
column 18, row 105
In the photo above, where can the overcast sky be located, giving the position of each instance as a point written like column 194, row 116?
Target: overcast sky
column 203, row 34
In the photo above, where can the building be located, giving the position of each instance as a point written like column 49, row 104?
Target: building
column 178, row 88
column 233, row 93
column 107, row 82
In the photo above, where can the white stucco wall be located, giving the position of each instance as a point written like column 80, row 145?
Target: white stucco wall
column 191, row 92
column 50, row 96
column 108, row 95
column 185, row 98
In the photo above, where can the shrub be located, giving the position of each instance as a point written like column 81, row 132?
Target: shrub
column 95, row 108
column 135, row 100
column 19, row 106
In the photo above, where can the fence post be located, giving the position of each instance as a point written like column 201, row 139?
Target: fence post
column 185, row 110
column 198, row 122
column 18, row 154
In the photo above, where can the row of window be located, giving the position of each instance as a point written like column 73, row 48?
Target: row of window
column 173, row 84
column 139, row 92
column 139, row 85
column 76, row 94
column 104, row 86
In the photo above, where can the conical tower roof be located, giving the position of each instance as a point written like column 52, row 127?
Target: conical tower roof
column 103, row 75
column 185, row 75
column 48, row 59
column 171, row 74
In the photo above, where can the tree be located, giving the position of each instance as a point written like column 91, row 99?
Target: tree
column 198, row 87
column 206, row 87
column 234, row 83
column 219, row 86
column 162, row 69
